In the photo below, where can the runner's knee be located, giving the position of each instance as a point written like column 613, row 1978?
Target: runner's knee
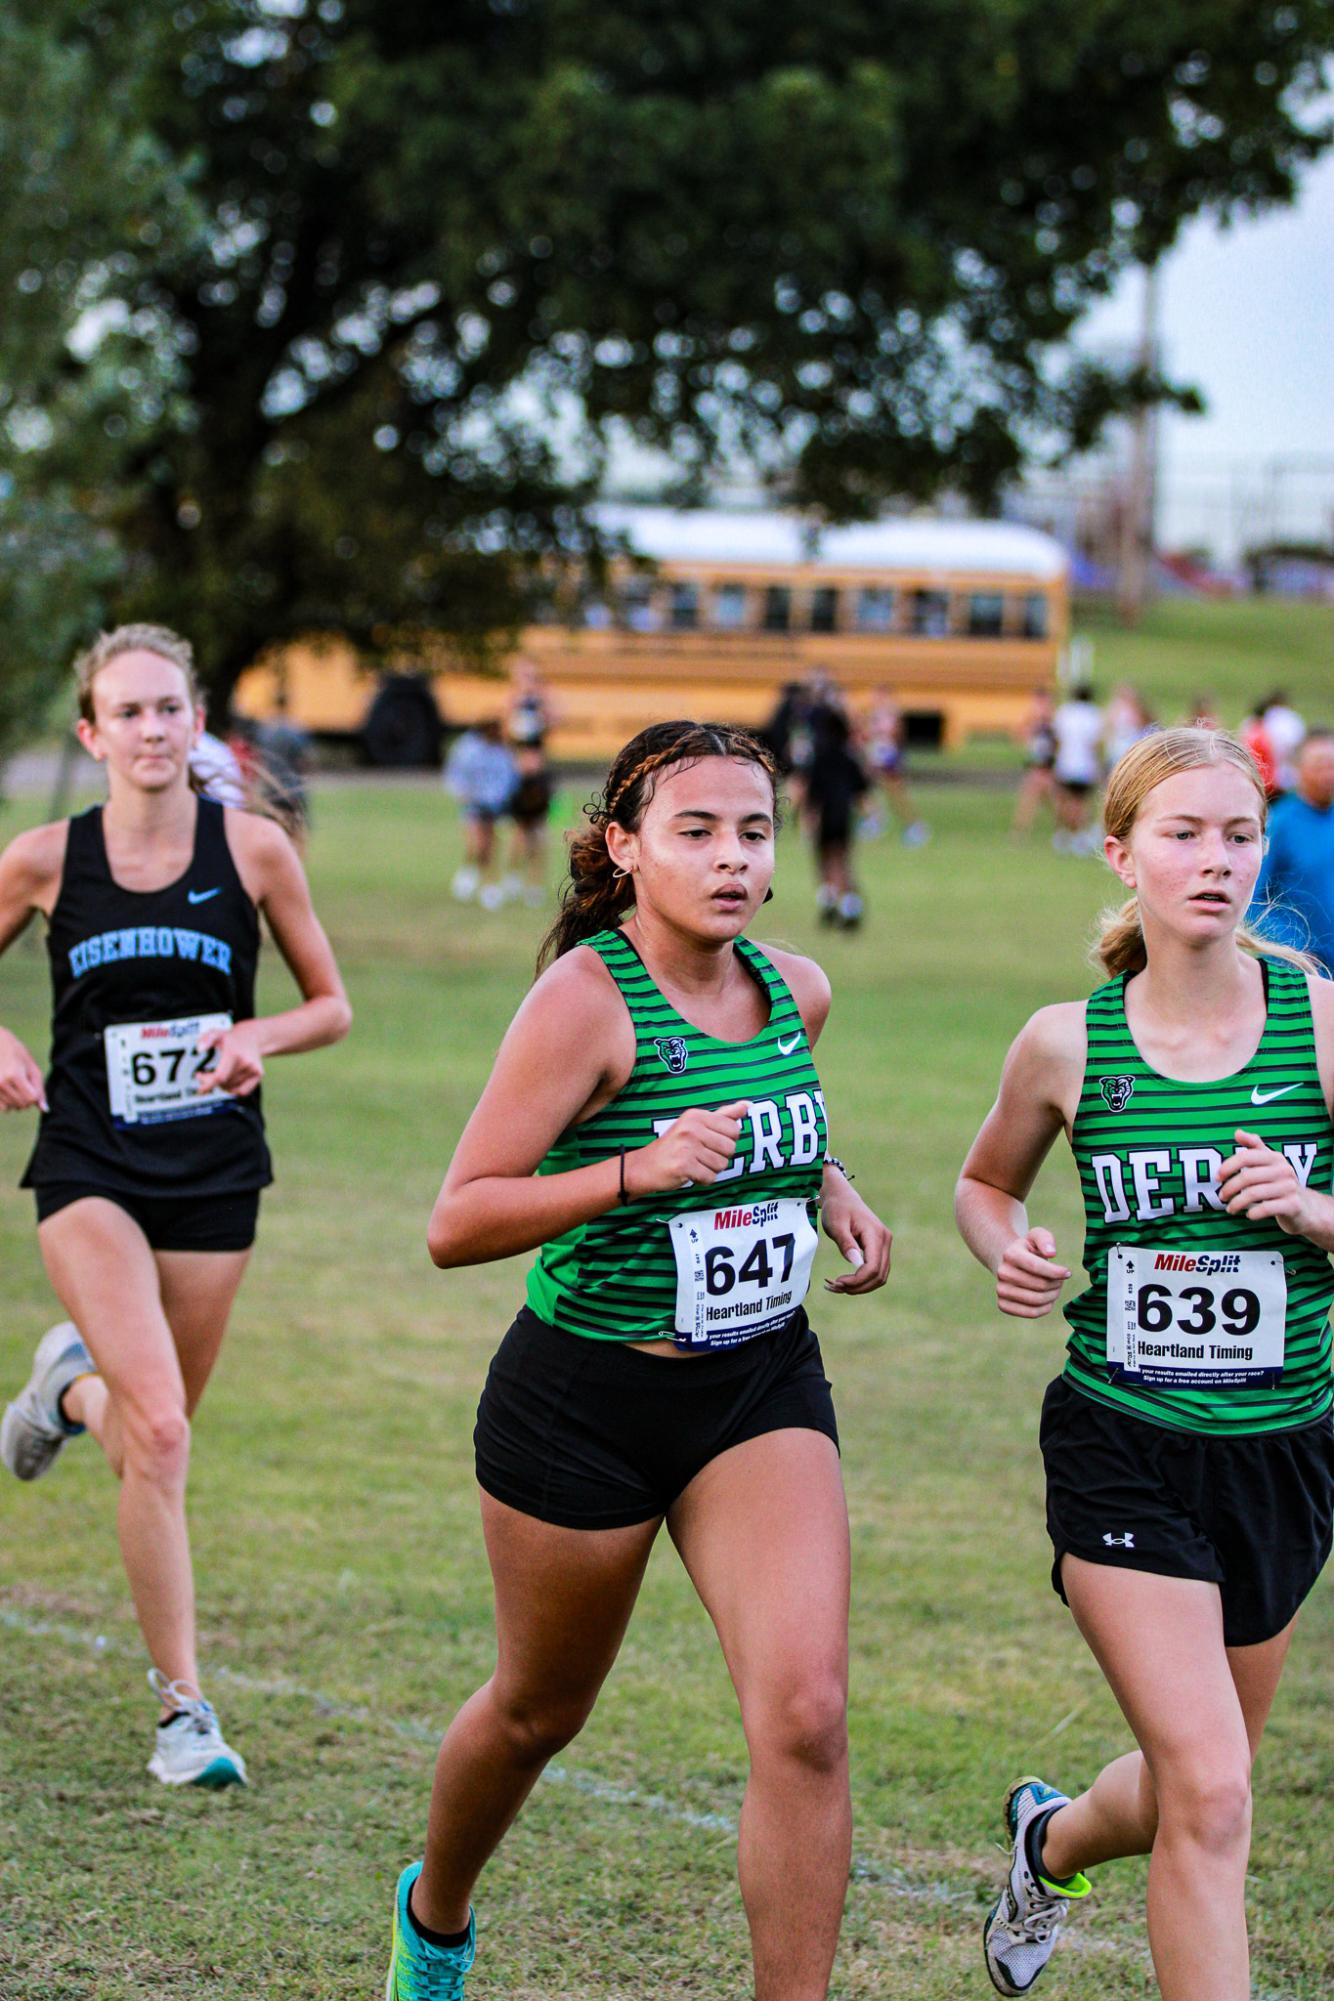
column 1205, row 1803
column 157, row 1442
column 538, row 1724
column 805, row 1721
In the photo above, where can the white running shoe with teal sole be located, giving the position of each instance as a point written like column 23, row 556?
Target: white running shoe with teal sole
column 1026, row 1918
column 33, row 1434
column 419, row 1971
column 191, row 1749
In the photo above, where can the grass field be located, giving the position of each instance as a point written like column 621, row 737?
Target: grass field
column 343, row 1596
column 1235, row 651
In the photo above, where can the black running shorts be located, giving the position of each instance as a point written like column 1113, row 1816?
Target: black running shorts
column 1253, row 1515
column 170, row 1222
column 589, row 1435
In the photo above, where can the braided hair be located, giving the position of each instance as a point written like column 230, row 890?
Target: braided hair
column 596, row 898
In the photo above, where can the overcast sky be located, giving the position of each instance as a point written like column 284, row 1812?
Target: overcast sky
column 1247, row 314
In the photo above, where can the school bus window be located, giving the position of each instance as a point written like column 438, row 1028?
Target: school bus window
column 824, row 609
column 729, row 607
column 875, row 609
column 637, row 607
column 683, row 612
column 777, row 608
column 929, row 614
column 1035, row 616
column 986, row 614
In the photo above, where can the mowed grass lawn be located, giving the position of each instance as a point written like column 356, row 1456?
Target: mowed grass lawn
column 343, row 1596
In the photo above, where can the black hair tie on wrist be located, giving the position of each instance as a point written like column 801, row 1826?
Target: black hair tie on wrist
column 622, row 1195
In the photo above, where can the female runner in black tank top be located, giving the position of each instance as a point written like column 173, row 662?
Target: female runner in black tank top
column 150, row 1152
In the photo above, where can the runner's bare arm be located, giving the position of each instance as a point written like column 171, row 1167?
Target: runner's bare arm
column 30, row 870
column 569, row 1049
column 1038, row 1096
column 271, row 871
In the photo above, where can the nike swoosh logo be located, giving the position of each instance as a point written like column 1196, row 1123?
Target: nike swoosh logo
column 1259, row 1097
column 786, row 1048
column 203, row 895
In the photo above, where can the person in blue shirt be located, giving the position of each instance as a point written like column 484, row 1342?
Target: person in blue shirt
column 481, row 773
column 1294, row 892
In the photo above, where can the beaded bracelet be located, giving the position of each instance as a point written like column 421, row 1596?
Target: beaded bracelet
column 832, row 1160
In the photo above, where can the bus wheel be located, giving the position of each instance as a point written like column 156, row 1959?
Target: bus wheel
column 402, row 727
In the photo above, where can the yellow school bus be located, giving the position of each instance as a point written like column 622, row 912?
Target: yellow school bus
column 709, row 613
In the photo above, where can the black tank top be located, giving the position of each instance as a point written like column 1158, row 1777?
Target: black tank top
column 121, row 957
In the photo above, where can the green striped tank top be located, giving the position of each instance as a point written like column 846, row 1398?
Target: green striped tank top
column 616, row 1277
column 1193, row 1318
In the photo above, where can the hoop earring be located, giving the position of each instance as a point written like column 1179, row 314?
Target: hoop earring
column 620, row 874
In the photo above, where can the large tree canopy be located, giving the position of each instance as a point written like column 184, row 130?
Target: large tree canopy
column 442, row 253
column 85, row 189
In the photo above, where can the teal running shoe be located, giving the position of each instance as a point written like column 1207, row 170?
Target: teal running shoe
column 419, row 1971
column 1025, row 1920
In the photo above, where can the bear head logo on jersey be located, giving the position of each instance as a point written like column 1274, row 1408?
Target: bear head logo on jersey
column 674, row 1051
column 1117, row 1091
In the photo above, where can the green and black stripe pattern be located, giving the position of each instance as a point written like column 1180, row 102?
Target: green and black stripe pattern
column 1148, row 1148
column 614, row 1279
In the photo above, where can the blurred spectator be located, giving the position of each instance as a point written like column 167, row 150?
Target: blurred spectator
column 481, row 773
column 529, row 716
column 1294, row 893
column 794, row 729
column 1128, row 719
column 271, row 761
column 283, row 762
column 1285, row 730
column 1037, row 787
column 529, row 712
column 1202, row 714
column 530, row 809
column 886, row 747
column 1077, row 769
column 786, row 719
column 1256, row 739
column 835, row 781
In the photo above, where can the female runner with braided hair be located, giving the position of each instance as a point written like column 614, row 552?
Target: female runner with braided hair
column 663, row 1368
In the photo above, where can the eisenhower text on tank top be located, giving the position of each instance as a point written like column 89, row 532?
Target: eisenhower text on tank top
column 136, row 975
column 706, row 1266
column 1193, row 1318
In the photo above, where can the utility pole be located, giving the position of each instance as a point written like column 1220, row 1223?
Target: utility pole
column 1138, row 497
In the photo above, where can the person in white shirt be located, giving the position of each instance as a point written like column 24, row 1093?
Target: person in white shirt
column 1285, row 730
column 1078, row 726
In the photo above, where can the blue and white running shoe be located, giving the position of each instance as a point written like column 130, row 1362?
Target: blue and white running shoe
column 191, row 1749
column 419, row 1971
column 1027, row 1917
column 33, row 1433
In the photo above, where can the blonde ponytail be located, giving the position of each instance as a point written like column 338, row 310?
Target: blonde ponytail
column 1119, row 946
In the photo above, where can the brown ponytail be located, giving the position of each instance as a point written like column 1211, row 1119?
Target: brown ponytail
column 596, row 896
